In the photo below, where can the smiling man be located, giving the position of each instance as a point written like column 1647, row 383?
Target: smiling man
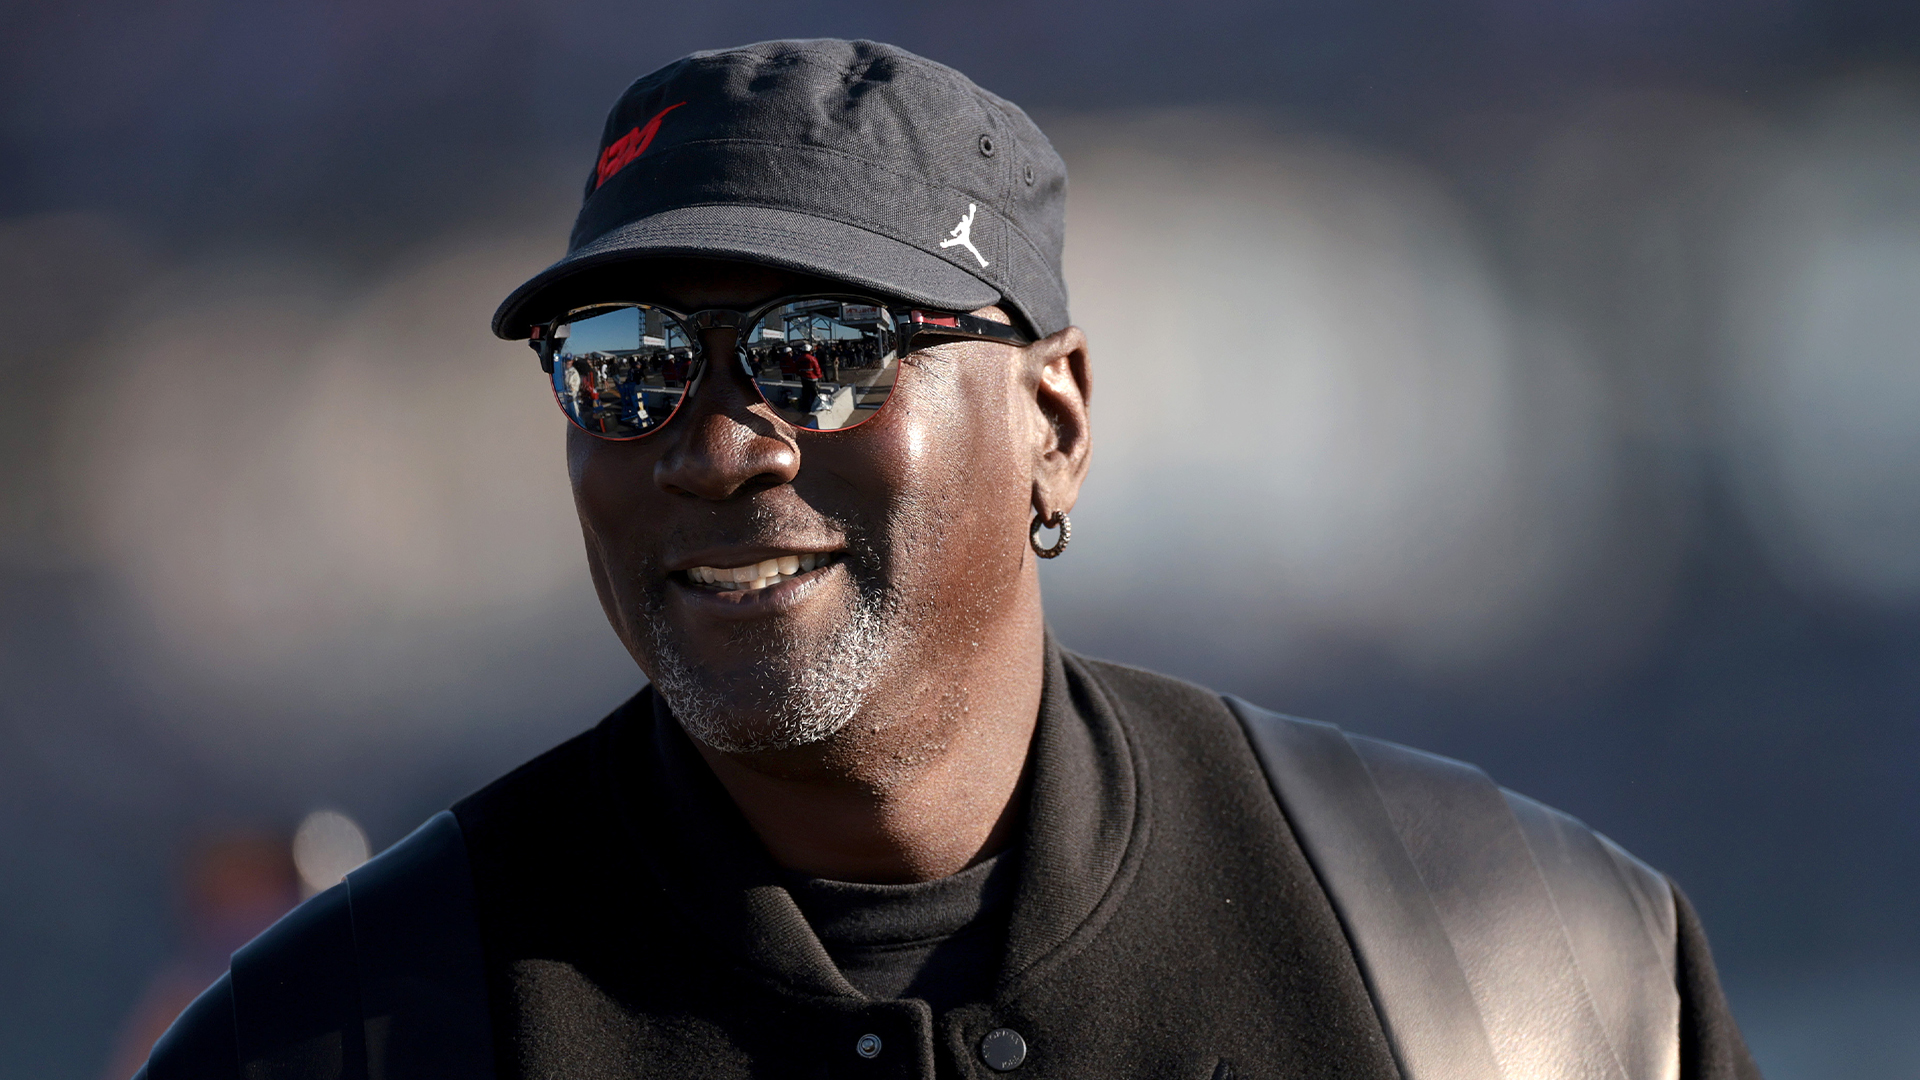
column 847, row 621
column 827, row 412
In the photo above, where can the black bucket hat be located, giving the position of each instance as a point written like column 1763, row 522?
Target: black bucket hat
column 851, row 160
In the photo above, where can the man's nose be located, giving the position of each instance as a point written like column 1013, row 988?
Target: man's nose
column 721, row 446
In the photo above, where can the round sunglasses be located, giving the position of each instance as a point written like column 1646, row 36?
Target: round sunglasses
column 822, row 363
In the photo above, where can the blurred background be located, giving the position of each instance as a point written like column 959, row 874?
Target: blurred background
column 1536, row 383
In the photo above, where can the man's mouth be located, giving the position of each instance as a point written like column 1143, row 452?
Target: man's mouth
column 755, row 576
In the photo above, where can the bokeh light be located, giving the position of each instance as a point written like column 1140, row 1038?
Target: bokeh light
column 327, row 846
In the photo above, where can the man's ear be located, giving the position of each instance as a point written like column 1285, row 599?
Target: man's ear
column 1061, row 383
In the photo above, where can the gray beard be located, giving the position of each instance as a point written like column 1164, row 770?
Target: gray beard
column 801, row 696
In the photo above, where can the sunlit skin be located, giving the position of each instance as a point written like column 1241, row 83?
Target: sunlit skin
column 945, row 479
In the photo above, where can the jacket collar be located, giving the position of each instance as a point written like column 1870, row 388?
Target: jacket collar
column 1082, row 829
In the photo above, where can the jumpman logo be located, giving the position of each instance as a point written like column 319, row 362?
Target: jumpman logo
column 963, row 236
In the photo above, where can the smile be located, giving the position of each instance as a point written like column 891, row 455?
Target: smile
column 754, row 577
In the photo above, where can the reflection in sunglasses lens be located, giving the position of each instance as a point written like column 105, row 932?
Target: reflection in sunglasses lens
column 621, row 372
column 824, row 364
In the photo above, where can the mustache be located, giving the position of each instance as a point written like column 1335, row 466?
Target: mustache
column 863, row 552
column 861, row 544
column 766, row 526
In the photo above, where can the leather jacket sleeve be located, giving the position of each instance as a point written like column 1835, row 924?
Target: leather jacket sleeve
column 1711, row 1047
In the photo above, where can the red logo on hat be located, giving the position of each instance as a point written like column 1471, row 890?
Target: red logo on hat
column 629, row 146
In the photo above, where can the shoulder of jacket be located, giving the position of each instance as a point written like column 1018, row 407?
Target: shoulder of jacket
column 1431, row 795
column 199, row 1044
column 1499, row 936
column 379, row 975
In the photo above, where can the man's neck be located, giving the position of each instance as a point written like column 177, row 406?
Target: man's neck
column 916, row 787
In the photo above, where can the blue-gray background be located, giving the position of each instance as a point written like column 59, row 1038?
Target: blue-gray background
column 1534, row 382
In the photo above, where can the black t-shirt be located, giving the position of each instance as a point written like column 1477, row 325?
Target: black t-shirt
column 939, row 941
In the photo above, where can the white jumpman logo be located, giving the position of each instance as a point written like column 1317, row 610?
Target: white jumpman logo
column 963, row 236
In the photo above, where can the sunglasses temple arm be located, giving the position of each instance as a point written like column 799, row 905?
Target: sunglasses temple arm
column 542, row 347
column 961, row 326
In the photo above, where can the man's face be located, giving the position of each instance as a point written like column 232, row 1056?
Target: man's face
column 914, row 524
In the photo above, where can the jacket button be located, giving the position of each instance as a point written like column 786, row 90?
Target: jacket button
column 1003, row 1049
column 868, row 1046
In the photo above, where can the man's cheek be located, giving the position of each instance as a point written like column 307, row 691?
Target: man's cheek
column 579, row 451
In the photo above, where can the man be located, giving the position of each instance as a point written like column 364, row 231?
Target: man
column 869, row 819
column 806, row 368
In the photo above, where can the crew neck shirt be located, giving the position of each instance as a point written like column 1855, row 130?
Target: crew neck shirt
column 939, row 941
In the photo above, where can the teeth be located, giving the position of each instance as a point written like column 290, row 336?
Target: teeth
column 759, row 575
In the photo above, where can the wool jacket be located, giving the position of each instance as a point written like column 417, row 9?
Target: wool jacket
column 1166, row 922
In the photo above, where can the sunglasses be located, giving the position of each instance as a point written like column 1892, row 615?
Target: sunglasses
column 822, row 363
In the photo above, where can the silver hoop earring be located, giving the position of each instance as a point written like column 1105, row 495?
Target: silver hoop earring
column 1057, row 521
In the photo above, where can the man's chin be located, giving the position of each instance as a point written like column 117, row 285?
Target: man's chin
column 746, row 719
column 785, row 699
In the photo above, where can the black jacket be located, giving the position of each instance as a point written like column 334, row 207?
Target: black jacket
column 1167, row 924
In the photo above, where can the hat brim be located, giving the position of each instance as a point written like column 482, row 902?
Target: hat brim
column 779, row 238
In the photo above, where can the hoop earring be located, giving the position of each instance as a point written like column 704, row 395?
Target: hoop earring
column 1057, row 521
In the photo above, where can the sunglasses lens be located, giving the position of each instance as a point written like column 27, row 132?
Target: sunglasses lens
column 824, row 364
column 621, row 372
